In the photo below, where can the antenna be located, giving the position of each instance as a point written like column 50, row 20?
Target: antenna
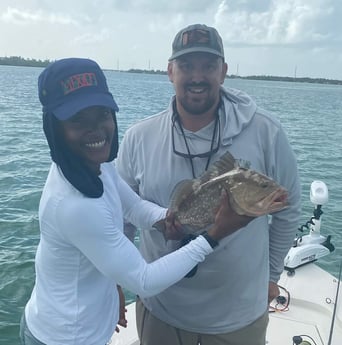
column 335, row 305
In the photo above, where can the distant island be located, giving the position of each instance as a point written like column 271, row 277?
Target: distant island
column 20, row 61
column 258, row 77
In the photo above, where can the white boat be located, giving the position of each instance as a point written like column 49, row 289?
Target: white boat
column 309, row 308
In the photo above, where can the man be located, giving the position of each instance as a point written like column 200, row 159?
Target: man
column 226, row 300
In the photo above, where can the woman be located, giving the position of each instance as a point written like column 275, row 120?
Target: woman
column 83, row 254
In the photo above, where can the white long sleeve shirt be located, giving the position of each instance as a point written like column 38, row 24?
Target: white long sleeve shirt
column 83, row 254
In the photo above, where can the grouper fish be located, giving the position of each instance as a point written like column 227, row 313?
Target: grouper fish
column 195, row 202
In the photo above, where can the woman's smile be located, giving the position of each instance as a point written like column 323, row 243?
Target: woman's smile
column 96, row 145
column 89, row 134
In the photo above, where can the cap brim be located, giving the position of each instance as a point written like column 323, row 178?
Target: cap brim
column 195, row 50
column 82, row 101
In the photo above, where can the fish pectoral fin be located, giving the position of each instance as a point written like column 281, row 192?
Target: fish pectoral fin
column 181, row 192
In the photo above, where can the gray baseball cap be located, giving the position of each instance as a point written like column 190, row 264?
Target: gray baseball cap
column 197, row 38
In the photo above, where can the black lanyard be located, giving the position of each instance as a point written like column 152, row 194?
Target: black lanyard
column 188, row 155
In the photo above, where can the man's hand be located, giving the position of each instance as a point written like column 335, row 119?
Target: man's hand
column 227, row 221
column 122, row 314
column 273, row 291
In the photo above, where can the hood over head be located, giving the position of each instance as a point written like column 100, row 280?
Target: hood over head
column 73, row 168
column 66, row 87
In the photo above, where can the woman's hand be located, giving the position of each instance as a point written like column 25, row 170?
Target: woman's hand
column 173, row 229
column 170, row 227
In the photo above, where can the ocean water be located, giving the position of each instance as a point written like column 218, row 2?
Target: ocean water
column 310, row 113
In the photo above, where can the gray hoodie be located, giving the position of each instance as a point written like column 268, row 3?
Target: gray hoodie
column 230, row 288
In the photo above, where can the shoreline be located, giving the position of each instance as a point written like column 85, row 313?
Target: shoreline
column 22, row 62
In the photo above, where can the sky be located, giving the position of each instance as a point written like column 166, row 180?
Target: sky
column 299, row 38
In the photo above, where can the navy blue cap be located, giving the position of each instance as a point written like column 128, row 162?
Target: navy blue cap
column 70, row 85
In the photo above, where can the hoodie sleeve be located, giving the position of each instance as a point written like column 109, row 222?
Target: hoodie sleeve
column 125, row 161
column 124, row 168
column 284, row 224
column 137, row 211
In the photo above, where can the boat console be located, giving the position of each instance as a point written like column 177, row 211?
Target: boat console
column 312, row 246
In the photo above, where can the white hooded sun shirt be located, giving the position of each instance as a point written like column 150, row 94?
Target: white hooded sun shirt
column 83, row 255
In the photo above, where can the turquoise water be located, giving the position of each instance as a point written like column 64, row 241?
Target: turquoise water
column 310, row 113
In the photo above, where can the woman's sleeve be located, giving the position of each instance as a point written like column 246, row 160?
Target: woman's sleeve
column 90, row 227
column 139, row 212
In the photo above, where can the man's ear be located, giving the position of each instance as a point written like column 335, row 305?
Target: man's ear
column 224, row 72
column 170, row 71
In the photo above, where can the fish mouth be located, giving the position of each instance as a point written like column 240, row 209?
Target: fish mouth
column 277, row 200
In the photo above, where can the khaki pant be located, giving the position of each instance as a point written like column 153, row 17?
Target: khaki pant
column 153, row 331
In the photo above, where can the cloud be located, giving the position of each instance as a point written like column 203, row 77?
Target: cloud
column 165, row 7
column 139, row 33
column 277, row 22
column 91, row 38
column 22, row 17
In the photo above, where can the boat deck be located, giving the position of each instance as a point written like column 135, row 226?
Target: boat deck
column 312, row 297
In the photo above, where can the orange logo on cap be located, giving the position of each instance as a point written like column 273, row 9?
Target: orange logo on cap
column 78, row 81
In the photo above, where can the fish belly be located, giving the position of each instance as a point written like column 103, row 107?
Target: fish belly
column 198, row 211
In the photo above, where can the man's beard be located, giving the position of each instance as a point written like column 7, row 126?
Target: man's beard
column 197, row 108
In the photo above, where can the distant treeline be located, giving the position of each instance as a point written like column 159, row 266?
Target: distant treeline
column 135, row 70
column 20, row 61
column 296, row 79
column 258, row 77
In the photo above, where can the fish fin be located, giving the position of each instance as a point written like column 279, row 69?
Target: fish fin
column 226, row 163
column 181, row 192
